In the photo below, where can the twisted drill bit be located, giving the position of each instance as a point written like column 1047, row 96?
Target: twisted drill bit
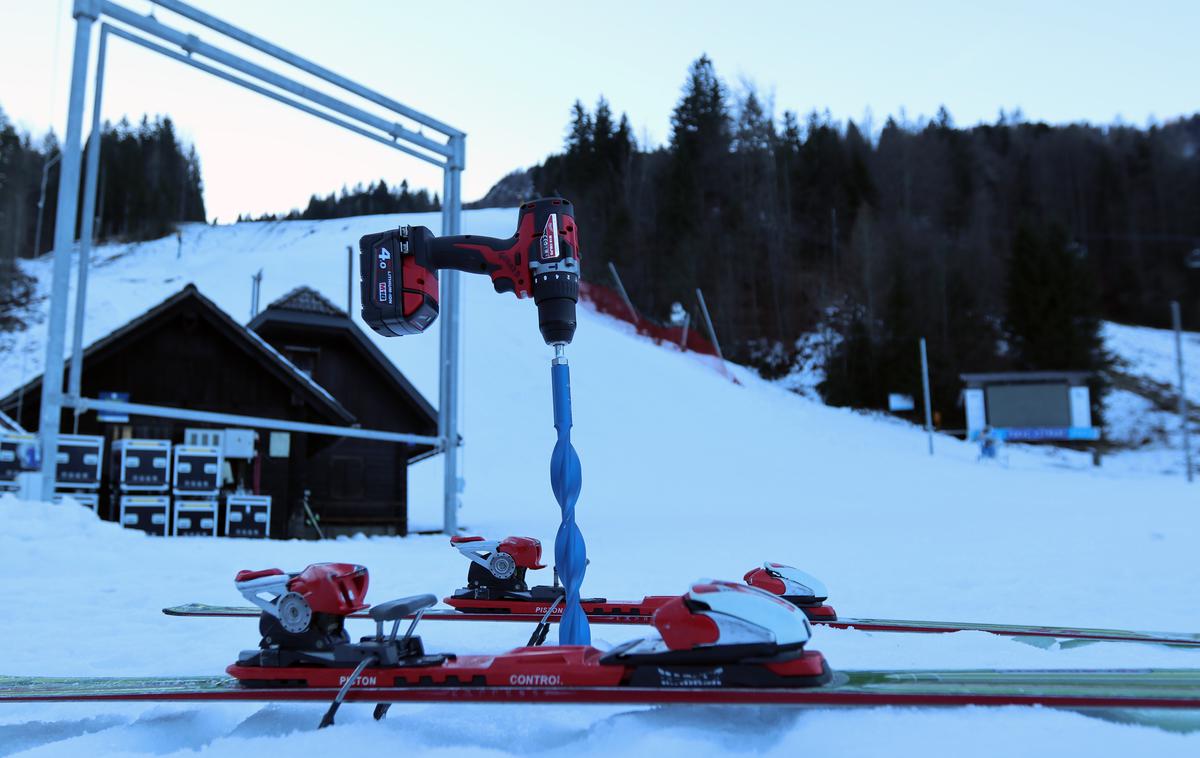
column 566, row 478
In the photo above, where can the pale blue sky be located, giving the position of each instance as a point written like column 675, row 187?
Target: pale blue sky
column 507, row 73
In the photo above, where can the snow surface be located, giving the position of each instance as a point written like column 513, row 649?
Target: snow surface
column 1151, row 354
column 686, row 475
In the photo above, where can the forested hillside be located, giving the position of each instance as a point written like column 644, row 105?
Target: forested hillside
column 375, row 198
column 149, row 180
column 1003, row 244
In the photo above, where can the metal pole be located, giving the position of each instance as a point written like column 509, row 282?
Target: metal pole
column 925, row 389
column 85, row 404
column 621, row 288
column 349, row 279
column 222, row 74
column 259, row 43
column 91, row 172
column 10, row 421
column 1183, row 405
column 193, row 45
column 451, row 312
column 21, row 391
column 86, row 12
column 255, row 284
column 708, row 320
column 37, row 237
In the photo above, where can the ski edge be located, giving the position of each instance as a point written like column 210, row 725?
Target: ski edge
column 1175, row 689
column 1178, row 639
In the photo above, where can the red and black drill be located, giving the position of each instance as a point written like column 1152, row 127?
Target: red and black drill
column 400, row 282
column 400, row 296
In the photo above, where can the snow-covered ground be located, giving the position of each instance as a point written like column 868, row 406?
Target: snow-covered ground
column 686, row 474
column 1140, row 411
column 1150, row 353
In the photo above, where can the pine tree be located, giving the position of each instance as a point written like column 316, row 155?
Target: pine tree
column 1051, row 319
column 693, row 195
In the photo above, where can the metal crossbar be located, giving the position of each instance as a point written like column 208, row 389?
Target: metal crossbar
column 448, row 155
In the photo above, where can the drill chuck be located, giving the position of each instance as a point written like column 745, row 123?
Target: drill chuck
column 556, row 294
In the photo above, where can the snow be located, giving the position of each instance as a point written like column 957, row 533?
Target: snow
column 1151, row 352
column 686, row 475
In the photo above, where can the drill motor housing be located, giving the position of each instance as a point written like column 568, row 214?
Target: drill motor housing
column 399, row 280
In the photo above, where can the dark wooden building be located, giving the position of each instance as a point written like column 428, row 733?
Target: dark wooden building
column 302, row 359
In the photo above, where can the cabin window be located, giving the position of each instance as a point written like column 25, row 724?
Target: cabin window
column 303, row 358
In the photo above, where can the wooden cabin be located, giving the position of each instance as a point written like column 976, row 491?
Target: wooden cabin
column 302, row 359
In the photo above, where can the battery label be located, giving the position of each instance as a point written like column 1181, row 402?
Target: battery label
column 384, row 276
column 550, row 238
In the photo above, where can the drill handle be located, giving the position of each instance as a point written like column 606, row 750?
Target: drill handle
column 504, row 260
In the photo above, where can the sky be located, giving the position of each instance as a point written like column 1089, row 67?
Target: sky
column 507, row 74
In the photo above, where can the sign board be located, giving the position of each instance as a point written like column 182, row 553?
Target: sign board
column 1045, row 409
column 113, row 418
column 1028, row 404
column 1046, row 434
column 899, row 402
column 1193, row 258
column 281, row 445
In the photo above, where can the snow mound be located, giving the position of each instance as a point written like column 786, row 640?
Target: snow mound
column 26, row 521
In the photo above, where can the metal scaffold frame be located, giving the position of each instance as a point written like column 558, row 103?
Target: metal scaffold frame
column 448, row 153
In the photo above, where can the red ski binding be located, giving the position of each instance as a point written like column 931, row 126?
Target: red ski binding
column 496, row 584
column 800, row 588
column 719, row 634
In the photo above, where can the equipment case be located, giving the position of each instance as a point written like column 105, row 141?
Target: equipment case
column 141, row 465
column 149, row 513
column 197, row 470
column 195, row 518
column 80, row 460
column 10, row 456
column 248, row 516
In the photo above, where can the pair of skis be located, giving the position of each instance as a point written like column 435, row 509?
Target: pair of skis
column 305, row 655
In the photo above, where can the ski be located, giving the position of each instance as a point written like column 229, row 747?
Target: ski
column 636, row 613
column 1177, row 689
column 497, row 591
column 634, row 617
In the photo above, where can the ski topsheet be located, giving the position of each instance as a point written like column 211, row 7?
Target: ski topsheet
column 641, row 612
column 1140, row 689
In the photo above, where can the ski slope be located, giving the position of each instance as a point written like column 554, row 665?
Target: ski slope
column 686, row 475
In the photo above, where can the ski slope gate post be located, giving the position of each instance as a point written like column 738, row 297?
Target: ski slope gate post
column 448, row 154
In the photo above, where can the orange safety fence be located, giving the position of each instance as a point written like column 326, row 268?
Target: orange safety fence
column 609, row 302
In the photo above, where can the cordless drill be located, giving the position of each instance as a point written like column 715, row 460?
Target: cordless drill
column 400, row 282
column 400, row 296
